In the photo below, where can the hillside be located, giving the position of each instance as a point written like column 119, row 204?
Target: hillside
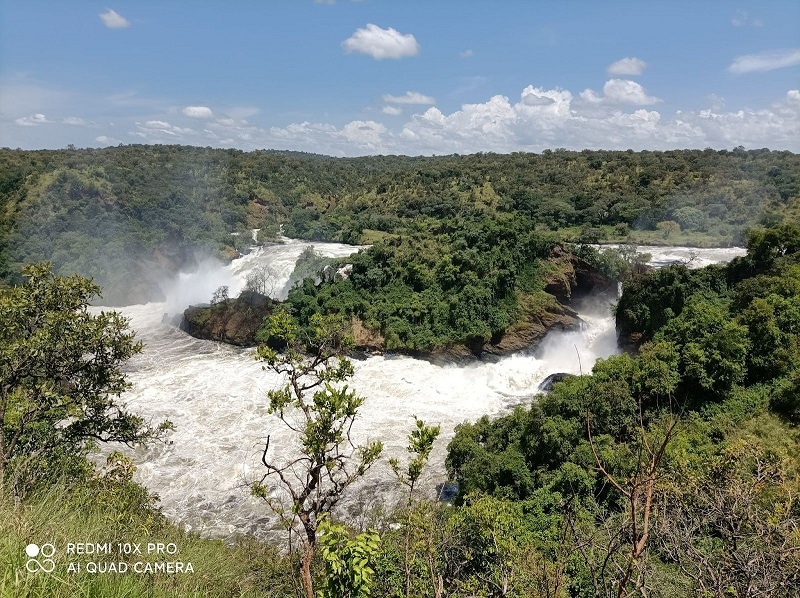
column 130, row 215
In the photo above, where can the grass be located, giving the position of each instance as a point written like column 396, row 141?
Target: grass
column 60, row 516
column 678, row 238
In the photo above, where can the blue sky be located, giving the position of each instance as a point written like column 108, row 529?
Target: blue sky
column 349, row 78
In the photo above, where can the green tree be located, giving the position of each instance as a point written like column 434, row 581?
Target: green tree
column 60, row 376
column 349, row 561
column 315, row 369
column 420, row 444
column 667, row 227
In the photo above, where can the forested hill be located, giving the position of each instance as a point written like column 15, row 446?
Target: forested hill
column 127, row 215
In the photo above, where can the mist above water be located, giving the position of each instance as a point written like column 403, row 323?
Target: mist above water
column 215, row 395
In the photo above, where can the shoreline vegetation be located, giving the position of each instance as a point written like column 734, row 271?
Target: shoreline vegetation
column 670, row 470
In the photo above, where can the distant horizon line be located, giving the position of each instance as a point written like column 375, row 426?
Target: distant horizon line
column 545, row 151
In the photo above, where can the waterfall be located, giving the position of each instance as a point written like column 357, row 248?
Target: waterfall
column 215, row 395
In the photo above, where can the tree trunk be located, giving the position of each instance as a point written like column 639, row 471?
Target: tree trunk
column 305, row 570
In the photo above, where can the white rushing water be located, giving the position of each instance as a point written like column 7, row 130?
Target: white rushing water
column 215, row 395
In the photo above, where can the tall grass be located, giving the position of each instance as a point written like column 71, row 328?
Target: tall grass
column 59, row 516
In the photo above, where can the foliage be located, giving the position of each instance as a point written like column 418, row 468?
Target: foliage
column 423, row 292
column 61, row 372
column 675, row 468
column 313, row 365
column 348, row 570
column 420, row 444
column 128, row 215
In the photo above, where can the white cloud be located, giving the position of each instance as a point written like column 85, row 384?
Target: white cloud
column 114, row 20
column 157, row 124
column 381, row 43
column 365, row 134
column 410, row 97
column 157, row 131
column 765, row 61
column 242, row 111
column 198, row 112
column 627, row 66
column 716, row 102
column 535, row 97
column 466, row 53
column 619, row 116
column 620, row 91
column 105, row 140
column 32, row 120
column 627, row 92
column 540, row 118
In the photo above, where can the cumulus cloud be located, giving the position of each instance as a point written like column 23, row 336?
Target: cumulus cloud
column 365, row 134
column 198, row 112
column 32, row 120
column 466, row 53
column 533, row 124
column 381, row 43
column 765, row 61
column 620, row 91
column 536, row 119
column 539, row 118
column 410, row 97
column 114, row 20
column 627, row 66
column 536, row 97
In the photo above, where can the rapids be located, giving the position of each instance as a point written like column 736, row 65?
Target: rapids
column 215, row 395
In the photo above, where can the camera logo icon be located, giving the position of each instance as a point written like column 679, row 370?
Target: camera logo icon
column 40, row 558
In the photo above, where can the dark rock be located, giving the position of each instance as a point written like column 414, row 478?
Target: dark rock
column 234, row 321
column 547, row 384
column 573, row 278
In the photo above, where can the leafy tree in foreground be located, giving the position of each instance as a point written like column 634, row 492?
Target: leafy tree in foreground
column 420, row 444
column 316, row 405
column 348, row 570
column 60, row 376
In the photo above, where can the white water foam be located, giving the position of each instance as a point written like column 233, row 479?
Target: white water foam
column 215, row 395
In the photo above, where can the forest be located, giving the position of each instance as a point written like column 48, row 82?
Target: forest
column 672, row 469
column 463, row 248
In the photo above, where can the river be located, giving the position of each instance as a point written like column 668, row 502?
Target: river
column 215, row 395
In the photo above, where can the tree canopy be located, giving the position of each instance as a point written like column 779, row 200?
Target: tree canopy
column 61, row 376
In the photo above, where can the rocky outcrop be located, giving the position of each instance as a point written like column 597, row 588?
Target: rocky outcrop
column 572, row 278
column 366, row 339
column 233, row 321
column 539, row 315
column 236, row 321
column 532, row 329
column 546, row 385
